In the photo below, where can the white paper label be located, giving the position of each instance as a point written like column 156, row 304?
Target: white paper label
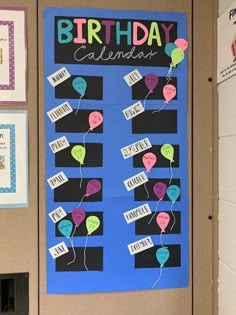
column 137, row 213
column 57, row 180
column 135, row 181
column 59, row 76
column 133, row 110
column 60, row 111
column 140, row 246
column 136, row 148
column 57, row 214
column 59, row 144
column 133, row 77
column 58, row 250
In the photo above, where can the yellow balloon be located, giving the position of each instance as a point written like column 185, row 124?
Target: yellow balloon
column 177, row 55
column 167, row 151
column 92, row 224
column 78, row 153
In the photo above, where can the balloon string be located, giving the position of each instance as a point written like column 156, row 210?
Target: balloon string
column 172, row 216
column 157, row 111
column 78, row 104
column 85, row 247
column 161, row 241
column 145, row 186
column 155, row 211
column 158, row 279
column 171, row 173
column 144, row 103
column 73, row 248
column 84, row 137
column 169, row 73
column 81, row 176
column 81, row 200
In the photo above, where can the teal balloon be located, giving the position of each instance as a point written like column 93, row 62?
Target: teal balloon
column 177, row 55
column 162, row 255
column 169, row 48
column 80, row 85
column 173, row 192
column 65, row 227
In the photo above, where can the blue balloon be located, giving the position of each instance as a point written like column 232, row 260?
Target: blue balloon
column 173, row 192
column 80, row 85
column 169, row 48
column 162, row 255
column 65, row 227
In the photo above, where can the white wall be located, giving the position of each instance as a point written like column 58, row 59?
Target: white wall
column 227, row 191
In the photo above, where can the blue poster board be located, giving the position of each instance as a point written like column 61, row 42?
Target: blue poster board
column 128, row 234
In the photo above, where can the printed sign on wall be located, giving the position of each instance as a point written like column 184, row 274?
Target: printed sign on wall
column 116, row 150
column 12, row 56
column 226, row 24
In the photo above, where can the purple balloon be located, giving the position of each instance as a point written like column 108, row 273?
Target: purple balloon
column 78, row 216
column 93, row 186
column 151, row 81
column 159, row 190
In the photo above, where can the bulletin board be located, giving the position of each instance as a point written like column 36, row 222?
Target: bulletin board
column 116, row 150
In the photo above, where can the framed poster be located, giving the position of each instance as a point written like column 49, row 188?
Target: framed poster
column 116, row 150
column 226, row 24
column 12, row 56
column 13, row 159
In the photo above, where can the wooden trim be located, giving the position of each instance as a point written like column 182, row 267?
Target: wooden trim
column 205, row 159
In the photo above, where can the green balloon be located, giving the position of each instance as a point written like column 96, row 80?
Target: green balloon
column 78, row 153
column 177, row 55
column 167, row 151
column 92, row 224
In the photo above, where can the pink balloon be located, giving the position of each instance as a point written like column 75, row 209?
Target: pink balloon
column 95, row 119
column 149, row 159
column 93, row 186
column 169, row 92
column 181, row 43
column 151, row 81
column 78, row 216
column 159, row 190
column 163, row 220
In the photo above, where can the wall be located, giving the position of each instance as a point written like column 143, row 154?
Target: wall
column 227, row 192
column 18, row 227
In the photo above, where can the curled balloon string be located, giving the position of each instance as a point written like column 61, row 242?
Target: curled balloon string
column 157, row 111
column 85, row 247
column 169, row 73
column 82, row 200
column 73, row 249
column 78, row 104
column 159, row 277
column 144, row 102
column 161, row 241
column 155, row 211
column 171, row 172
column 172, row 203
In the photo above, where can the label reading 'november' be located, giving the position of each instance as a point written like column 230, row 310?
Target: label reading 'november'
column 137, row 213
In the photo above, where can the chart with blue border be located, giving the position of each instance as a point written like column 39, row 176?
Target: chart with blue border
column 10, row 148
column 92, row 149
